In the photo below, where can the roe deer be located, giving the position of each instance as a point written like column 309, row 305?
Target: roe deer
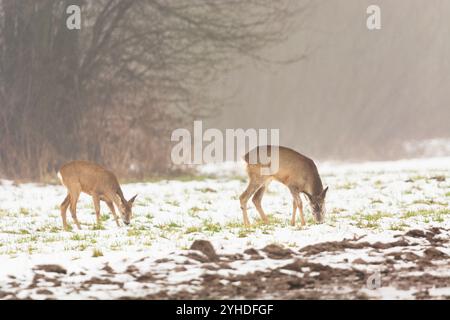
column 296, row 171
column 96, row 181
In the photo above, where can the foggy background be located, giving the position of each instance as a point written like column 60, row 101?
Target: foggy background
column 357, row 94
column 114, row 91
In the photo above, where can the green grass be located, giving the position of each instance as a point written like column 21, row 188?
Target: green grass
column 337, row 210
column 185, row 177
column 52, row 228
column 98, row 226
column 171, row 226
column 332, row 219
column 417, row 177
column 346, row 186
column 116, row 246
column 211, row 226
column 430, row 202
column 378, row 184
column 133, row 232
column 148, row 200
column 97, row 253
column 309, row 219
column 193, row 212
column 52, row 239
column 371, row 221
column 174, row 203
column 31, row 249
column 23, row 240
column 244, row 232
column 273, row 220
column 56, row 229
column 24, row 211
column 398, row 226
column 207, row 190
column 78, row 237
column 234, row 224
column 193, row 229
column 430, row 213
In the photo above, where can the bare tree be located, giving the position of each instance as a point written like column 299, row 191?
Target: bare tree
column 112, row 91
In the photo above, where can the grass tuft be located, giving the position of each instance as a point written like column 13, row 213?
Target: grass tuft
column 97, row 253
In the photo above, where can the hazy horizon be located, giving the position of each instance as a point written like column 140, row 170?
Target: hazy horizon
column 357, row 94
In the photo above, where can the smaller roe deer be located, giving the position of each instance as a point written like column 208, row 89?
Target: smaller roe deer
column 96, row 181
column 296, row 171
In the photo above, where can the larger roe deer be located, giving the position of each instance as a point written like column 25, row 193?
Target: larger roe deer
column 96, row 181
column 296, row 171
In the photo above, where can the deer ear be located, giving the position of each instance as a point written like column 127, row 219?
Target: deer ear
column 132, row 199
column 324, row 192
column 308, row 195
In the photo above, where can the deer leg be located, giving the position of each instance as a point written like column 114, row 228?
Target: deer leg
column 73, row 207
column 300, row 209
column 64, row 205
column 113, row 211
column 298, row 202
column 96, row 200
column 294, row 209
column 252, row 187
column 257, row 197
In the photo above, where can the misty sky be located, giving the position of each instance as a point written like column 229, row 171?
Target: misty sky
column 357, row 94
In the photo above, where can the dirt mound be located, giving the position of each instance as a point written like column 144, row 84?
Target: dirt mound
column 206, row 248
column 275, row 251
column 51, row 268
column 435, row 254
column 328, row 270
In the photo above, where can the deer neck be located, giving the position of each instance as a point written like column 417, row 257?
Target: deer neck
column 316, row 186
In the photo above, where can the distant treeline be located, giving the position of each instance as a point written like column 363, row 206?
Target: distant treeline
column 112, row 91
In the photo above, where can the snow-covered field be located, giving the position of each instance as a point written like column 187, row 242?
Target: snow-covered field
column 366, row 203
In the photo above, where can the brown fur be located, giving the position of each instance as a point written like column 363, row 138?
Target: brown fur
column 96, row 181
column 297, row 172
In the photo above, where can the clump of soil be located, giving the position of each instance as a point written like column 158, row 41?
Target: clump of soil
column 275, row 251
column 413, row 267
column 206, row 248
column 51, row 268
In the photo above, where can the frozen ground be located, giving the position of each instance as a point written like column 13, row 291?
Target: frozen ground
column 390, row 219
